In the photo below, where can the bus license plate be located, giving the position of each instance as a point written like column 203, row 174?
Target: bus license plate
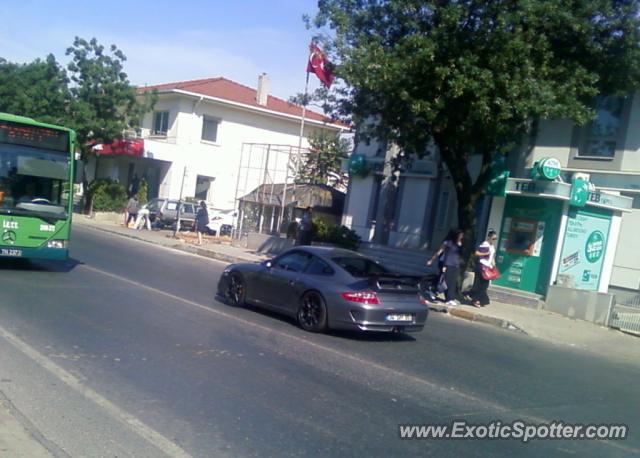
column 10, row 252
column 400, row 317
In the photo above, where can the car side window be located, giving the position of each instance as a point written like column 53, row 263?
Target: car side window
column 188, row 208
column 295, row 262
column 318, row 267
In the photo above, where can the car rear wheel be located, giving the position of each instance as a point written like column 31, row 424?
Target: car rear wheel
column 312, row 312
column 236, row 291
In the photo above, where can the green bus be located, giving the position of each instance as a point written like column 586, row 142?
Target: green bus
column 37, row 163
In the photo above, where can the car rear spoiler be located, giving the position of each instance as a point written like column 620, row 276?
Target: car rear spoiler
column 398, row 283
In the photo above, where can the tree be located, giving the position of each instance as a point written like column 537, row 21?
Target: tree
column 37, row 90
column 105, row 103
column 474, row 77
column 323, row 163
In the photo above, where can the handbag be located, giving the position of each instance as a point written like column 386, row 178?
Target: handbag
column 490, row 273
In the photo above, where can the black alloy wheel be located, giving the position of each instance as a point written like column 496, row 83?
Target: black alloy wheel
column 312, row 312
column 236, row 290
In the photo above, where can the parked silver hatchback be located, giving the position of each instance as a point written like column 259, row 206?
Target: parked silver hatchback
column 164, row 213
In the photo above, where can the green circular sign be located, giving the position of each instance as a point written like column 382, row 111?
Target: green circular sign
column 549, row 168
column 594, row 249
column 358, row 165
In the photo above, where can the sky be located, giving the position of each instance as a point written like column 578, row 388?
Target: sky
column 171, row 41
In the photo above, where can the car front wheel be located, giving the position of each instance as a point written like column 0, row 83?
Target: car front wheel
column 312, row 312
column 236, row 291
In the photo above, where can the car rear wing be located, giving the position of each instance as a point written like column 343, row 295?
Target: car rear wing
column 397, row 283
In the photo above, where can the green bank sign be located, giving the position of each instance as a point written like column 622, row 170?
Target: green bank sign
column 548, row 168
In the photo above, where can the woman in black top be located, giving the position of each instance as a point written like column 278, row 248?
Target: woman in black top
column 451, row 251
column 202, row 219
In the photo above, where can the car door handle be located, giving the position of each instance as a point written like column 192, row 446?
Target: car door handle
column 292, row 282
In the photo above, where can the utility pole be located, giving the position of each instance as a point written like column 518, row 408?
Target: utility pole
column 175, row 232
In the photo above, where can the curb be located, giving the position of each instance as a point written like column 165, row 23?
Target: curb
column 177, row 246
column 477, row 317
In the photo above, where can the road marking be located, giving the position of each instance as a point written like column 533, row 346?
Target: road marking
column 150, row 435
column 356, row 359
column 390, row 371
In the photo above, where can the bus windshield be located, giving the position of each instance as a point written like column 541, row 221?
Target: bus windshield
column 33, row 181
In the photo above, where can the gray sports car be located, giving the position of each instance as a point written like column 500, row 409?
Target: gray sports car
column 324, row 287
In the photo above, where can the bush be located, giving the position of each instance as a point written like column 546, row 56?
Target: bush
column 340, row 236
column 108, row 195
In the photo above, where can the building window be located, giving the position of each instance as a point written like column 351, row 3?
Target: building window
column 210, row 129
column 160, row 123
column 601, row 135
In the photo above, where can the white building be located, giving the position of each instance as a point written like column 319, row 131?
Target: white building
column 196, row 132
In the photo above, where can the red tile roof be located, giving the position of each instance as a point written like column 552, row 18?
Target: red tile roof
column 223, row 88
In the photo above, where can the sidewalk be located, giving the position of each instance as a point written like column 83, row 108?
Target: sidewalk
column 552, row 328
column 209, row 249
column 538, row 324
column 15, row 440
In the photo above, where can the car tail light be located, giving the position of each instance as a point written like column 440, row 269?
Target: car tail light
column 367, row 298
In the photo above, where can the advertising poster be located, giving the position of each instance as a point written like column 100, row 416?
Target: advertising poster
column 583, row 250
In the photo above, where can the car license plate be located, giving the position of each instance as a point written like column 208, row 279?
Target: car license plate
column 10, row 252
column 400, row 317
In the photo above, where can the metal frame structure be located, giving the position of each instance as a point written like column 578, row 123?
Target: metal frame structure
column 263, row 166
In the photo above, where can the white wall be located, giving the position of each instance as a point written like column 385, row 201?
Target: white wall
column 554, row 140
column 220, row 160
column 626, row 265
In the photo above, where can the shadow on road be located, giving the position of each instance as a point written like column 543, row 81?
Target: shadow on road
column 39, row 265
column 368, row 336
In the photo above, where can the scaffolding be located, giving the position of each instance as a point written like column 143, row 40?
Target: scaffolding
column 267, row 172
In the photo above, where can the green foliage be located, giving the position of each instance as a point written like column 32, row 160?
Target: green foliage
column 322, row 165
column 108, row 195
column 36, row 90
column 105, row 103
column 473, row 77
column 340, row 236
column 143, row 192
column 319, row 230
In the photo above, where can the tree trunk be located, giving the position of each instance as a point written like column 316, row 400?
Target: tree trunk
column 467, row 194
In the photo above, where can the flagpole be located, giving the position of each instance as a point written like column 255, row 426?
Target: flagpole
column 304, row 113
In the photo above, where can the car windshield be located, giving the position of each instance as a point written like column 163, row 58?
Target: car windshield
column 33, row 181
column 360, row 267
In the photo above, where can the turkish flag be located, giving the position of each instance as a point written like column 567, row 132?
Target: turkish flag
column 320, row 65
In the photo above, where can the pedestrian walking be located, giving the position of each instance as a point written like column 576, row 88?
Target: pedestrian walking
column 485, row 261
column 451, row 252
column 143, row 219
column 306, row 227
column 202, row 219
column 132, row 209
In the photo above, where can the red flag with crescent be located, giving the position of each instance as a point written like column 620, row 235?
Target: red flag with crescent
column 320, row 65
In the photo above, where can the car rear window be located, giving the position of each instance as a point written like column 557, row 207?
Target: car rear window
column 172, row 205
column 360, row 267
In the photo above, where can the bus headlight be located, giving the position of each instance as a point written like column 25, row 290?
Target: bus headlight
column 57, row 244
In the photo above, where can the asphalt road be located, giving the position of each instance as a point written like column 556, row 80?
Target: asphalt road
column 125, row 352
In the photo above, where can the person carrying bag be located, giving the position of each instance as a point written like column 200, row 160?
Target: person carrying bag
column 485, row 270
